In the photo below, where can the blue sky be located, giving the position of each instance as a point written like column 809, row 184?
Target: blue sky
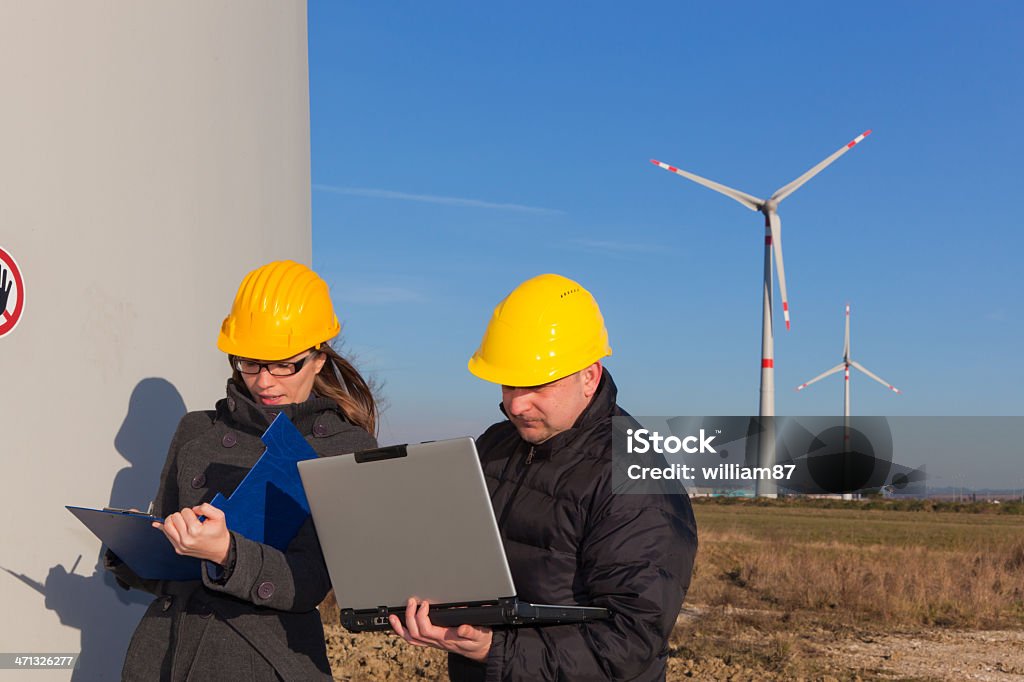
column 459, row 148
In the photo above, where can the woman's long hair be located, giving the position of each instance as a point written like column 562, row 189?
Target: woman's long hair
column 342, row 383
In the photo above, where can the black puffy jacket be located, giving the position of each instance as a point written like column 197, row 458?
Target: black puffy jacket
column 571, row 538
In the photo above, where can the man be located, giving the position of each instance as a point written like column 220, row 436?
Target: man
column 570, row 536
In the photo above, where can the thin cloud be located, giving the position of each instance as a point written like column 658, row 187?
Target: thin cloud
column 432, row 199
column 615, row 247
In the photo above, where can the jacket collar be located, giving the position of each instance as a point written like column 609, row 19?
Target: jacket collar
column 602, row 406
column 240, row 410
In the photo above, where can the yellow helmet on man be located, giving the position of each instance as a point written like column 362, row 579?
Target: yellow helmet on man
column 549, row 327
column 280, row 310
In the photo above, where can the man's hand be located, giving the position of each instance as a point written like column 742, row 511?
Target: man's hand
column 5, row 290
column 207, row 539
column 466, row 640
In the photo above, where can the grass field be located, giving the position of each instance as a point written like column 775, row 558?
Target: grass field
column 774, row 580
column 897, row 567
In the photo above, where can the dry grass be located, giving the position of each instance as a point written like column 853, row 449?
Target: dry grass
column 856, row 567
column 774, row 583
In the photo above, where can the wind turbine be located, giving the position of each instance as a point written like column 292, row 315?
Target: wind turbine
column 845, row 366
column 772, row 242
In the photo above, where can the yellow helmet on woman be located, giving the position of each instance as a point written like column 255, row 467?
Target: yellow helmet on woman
column 280, row 310
column 549, row 327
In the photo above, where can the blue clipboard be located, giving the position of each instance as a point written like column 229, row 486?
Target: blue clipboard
column 268, row 506
column 133, row 539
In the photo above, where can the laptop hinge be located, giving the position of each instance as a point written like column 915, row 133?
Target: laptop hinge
column 379, row 454
column 508, row 608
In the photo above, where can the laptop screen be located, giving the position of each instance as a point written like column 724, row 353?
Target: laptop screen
column 412, row 520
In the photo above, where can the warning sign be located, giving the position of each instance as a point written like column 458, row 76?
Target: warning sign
column 12, row 293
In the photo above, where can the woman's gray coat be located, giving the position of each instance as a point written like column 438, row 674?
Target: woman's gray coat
column 259, row 620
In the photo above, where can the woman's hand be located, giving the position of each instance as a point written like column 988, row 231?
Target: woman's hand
column 207, row 539
column 467, row 640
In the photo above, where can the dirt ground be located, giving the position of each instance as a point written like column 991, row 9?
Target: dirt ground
column 992, row 656
column 987, row 656
column 376, row 656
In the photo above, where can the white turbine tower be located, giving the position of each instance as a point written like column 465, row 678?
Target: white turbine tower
column 845, row 366
column 772, row 242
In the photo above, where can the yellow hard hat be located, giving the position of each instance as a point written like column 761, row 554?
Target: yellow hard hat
column 549, row 327
column 280, row 310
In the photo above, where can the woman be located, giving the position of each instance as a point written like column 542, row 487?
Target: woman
column 252, row 615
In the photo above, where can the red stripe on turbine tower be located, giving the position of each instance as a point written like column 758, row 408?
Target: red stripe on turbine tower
column 767, row 240
column 767, row 362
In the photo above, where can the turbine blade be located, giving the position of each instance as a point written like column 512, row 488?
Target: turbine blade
column 917, row 475
column 776, row 226
column 751, row 202
column 785, row 191
column 846, row 339
column 876, row 378
column 822, row 376
column 907, row 481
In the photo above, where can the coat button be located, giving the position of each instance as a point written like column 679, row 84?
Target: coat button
column 229, row 440
column 319, row 430
column 265, row 590
column 166, row 604
column 232, row 404
column 199, row 480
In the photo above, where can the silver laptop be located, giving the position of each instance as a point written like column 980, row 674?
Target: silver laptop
column 416, row 521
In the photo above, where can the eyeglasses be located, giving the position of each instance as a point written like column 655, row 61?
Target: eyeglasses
column 277, row 369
